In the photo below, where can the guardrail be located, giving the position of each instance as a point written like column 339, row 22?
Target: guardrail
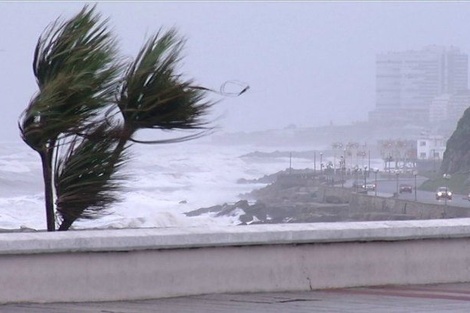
column 105, row 265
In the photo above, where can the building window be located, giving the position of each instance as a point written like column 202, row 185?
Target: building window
column 422, row 143
column 422, row 155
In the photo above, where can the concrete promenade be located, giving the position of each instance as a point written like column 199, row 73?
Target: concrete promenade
column 134, row 265
column 442, row 298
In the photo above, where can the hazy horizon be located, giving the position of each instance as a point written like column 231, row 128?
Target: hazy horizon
column 307, row 63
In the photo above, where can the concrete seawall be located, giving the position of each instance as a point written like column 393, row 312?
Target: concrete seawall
column 104, row 265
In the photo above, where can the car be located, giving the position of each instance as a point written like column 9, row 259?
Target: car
column 406, row 188
column 364, row 187
column 369, row 187
column 443, row 193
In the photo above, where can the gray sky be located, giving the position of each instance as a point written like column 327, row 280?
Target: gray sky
column 307, row 63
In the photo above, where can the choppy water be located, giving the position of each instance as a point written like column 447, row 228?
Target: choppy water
column 164, row 182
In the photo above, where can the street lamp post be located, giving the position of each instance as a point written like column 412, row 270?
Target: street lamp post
column 446, row 177
column 365, row 176
column 356, row 179
column 334, row 162
column 321, row 163
column 342, row 169
column 342, row 179
column 397, row 184
column 375, row 173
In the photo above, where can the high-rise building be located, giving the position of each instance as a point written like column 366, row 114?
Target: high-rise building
column 449, row 108
column 439, row 108
column 408, row 81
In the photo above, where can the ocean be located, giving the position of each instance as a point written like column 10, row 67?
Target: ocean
column 164, row 182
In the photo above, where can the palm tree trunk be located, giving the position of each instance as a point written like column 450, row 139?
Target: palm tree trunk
column 66, row 223
column 46, row 159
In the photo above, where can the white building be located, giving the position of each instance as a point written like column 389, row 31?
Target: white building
column 431, row 148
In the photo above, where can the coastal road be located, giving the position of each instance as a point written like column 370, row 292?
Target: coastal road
column 387, row 187
column 390, row 187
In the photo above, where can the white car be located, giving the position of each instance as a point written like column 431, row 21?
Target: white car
column 369, row 187
column 443, row 193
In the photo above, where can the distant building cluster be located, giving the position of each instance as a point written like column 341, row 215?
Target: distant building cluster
column 421, row 87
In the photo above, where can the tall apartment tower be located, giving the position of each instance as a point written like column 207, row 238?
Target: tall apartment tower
column 408, row 81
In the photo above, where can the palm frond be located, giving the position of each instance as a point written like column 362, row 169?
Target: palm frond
column 154, row 95
column 76, row 70
column 87, row 176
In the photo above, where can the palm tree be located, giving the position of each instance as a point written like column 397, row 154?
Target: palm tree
column 76, row 71
column 83, row 119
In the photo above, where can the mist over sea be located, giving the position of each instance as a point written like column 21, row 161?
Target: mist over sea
column 164, row 181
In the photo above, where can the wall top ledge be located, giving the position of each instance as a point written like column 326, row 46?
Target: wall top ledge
column 107, row 240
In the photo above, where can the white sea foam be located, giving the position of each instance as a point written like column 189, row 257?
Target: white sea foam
column 164, row 181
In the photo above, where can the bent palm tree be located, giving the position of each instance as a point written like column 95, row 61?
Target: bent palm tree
column 68, row 121
column 76, row 70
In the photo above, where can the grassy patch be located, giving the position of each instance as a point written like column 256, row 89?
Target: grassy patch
column 456, row 183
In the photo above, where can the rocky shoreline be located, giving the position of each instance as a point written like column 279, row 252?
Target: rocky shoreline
column 290, row 197
column 293, row 197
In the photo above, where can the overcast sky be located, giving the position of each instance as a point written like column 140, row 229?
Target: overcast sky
column 307, row 63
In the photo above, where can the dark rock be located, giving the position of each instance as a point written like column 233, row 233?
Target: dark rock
column 216, row 208
column 246, row 218
column 457, row 154
column 242, row 204
column 228, row 209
